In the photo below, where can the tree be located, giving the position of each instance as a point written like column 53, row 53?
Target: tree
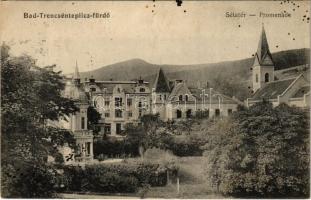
column 30, row 98
column 93, row 116
column 260, row 152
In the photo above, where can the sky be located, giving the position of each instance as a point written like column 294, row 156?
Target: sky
column 158, row 32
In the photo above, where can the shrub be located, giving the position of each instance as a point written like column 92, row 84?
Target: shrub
column 114, row 148
column 29, row 181
column 112, row 178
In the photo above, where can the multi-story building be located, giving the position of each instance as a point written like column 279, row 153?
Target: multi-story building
column 124, row 102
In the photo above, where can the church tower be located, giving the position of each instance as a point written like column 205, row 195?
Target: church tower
column 263, row 67
column 76, row 76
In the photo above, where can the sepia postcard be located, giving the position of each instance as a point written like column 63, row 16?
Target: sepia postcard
column 182, row 99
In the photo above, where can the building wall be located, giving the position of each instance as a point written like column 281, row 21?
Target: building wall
column 223, row 109
column 261, row 71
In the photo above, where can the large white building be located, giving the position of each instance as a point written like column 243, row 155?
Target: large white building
column 124, row 102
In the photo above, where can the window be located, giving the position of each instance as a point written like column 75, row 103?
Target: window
column 256, row 78
column 118, row 113
column 140, row 104
column 160, row 96
column 165, row 97
column 107, row 128
column 180, row 97
column 266, row 77
column 118, row 101
column 107, row 114
column 178, row 114
column 129, row 102
column 82, row 123
column 118, row 128
column 140, row 113
column 217, row 112
column 142, row 90
column 107, row 102
column 187, row 98
column 93, row 89
column 130, row 114
column 188, row 113
column 229, row 111
column 88, row 148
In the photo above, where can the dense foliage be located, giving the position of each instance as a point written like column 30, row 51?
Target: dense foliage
column 121, row 178
column 260, row 151
column 93, row 116
column 30, row 98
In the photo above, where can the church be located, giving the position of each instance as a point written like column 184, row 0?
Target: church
column 294, row 91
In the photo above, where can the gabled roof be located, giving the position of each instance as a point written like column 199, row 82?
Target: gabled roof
column 161, row 83
column 273, row 90
column 177, row 89
column 263, row 55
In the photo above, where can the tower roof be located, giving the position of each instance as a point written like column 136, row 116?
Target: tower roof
column 76, row 75
column 263, row 55
column 161, row 83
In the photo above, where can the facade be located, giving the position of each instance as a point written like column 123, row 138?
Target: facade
column 293, row 91
column 124, row 102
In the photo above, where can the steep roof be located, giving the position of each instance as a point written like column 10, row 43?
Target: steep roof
column 177, row 89
column 161, row 83
column 263, row 55
column 76, row 75
column 273, row 89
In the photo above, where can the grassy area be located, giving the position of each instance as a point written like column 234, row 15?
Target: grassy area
column 192, row 184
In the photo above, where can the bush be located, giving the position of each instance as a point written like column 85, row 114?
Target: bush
column 114, row 148
column 121, row 178
column 29, row 181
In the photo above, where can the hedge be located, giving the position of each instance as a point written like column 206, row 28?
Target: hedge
column 108, row 148
column 120, row 178
column 114, row 148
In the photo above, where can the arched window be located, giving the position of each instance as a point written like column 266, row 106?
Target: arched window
column 186, row 97
column 180, row 97
column 266, row 77
column 256, row 78
column 178, row 114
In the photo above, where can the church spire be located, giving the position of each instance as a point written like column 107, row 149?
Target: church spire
column 76, row 75
column 161, row 82
column 263, row 55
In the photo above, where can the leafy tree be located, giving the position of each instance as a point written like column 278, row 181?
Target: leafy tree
column 93, row 117
column 30, row 98
column 260, row 152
